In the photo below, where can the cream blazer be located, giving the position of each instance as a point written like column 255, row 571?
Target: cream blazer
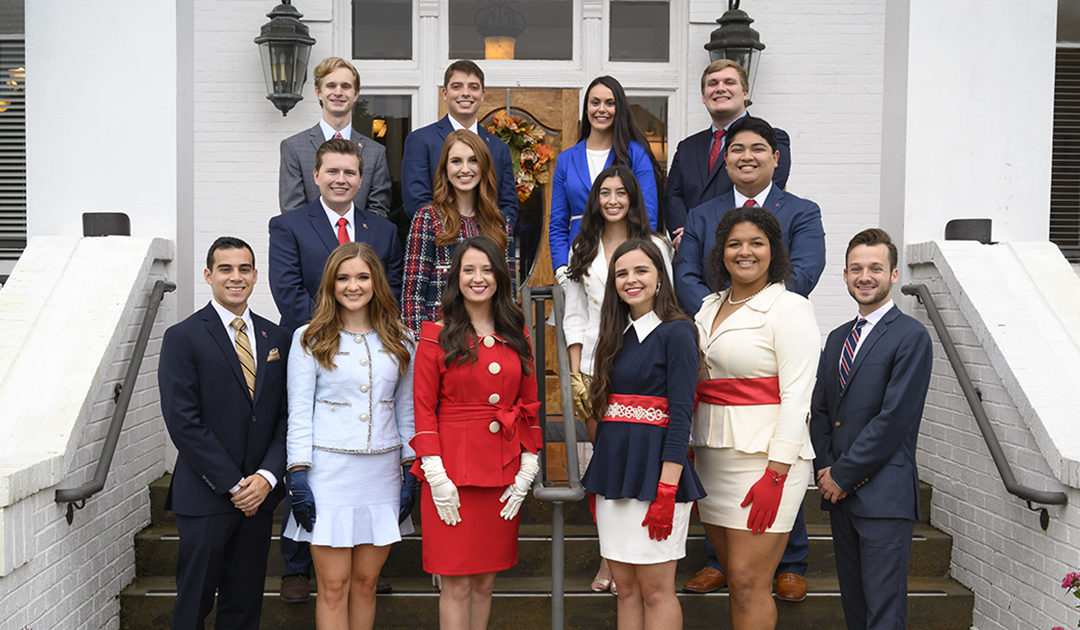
column 581, row 321
column 774, row 334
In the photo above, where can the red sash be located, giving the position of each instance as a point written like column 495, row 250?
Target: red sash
column 739, row 391
column 651, row 410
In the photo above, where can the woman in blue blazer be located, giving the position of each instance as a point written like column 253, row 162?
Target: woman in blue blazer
column 608, row 136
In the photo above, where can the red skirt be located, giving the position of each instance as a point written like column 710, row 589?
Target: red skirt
column 483, row 542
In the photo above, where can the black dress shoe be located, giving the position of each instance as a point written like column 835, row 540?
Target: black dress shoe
column 295, row 589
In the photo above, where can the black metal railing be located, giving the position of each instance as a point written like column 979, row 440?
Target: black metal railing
column 974, row 400
column 534, row 300
column 76, row 497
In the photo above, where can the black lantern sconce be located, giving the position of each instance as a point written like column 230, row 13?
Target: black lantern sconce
column 735, row 40
column 499, row 25
column 284, row 46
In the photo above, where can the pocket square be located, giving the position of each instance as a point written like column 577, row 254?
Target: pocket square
column 273, row 355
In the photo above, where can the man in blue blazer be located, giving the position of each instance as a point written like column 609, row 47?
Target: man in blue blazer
column 301, row 240
column 221, row 376
column 337, row 86
column 864, row 422
column 751, row 160
column 692, row 180
column 463, row 92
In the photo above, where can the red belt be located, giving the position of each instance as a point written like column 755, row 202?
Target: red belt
column 651, row 410
column 740, row 391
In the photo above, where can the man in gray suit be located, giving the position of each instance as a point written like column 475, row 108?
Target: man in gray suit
column 337, row 86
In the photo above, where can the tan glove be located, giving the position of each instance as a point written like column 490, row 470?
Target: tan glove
column 579, row 392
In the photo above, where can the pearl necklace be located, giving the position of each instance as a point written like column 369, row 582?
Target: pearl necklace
column 744, row 300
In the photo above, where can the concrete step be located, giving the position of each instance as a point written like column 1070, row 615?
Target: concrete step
column 156, row 548
column 524, row 603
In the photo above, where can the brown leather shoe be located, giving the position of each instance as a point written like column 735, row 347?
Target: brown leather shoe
column 790, row 587
column 295, row 589
column 707, row 580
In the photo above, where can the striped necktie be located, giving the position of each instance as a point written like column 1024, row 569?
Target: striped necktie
column 847, row 356
column 243, row 352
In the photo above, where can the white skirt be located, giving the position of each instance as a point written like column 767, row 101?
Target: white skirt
column 623, row 539
column 357, row 497
column 727, row 475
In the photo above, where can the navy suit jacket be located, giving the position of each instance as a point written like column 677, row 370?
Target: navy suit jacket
column 690, row 183
column 420, row 160
column 300, row 243
column 804, row 236
column 296, row 185
column 867, row 435
column 221, row 434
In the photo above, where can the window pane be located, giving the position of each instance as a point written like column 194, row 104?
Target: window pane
column 387, row 119
column 382, row 29
column 639, row 31
column 538, row 29
column 650, row 114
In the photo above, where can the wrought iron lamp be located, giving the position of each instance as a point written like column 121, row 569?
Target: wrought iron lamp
column 284, row 45
column 735, row 40
column 499, row 24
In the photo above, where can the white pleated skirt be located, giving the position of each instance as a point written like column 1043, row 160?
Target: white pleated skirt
column 727, row 475
column 623, row 539
column 357, row 497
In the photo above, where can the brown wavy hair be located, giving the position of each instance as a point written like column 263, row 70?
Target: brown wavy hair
column 457, row 337
column 492, row 223
column 614, row 315
column 323, row 334
column 587, row 242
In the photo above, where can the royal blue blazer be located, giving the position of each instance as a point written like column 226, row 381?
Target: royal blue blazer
column 570, row 191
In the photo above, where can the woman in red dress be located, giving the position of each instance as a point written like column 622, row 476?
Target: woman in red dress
column 477, row 432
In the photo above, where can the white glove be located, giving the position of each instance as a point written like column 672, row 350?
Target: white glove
column 443, row 491
column 515, row 493
column 561, row 277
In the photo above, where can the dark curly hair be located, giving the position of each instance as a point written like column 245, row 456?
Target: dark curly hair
column 587, row 241
column 779, row 265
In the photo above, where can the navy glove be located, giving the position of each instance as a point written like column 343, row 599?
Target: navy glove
column 408, row 492
column 303, row 501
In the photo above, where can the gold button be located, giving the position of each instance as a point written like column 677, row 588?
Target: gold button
column 836, row 424
column 494, row 398
column 363, row 388
column 494, row 426
column 489, row 341
column 363, row 361
column 595, row 301
column 494, row 368
column 363, row 416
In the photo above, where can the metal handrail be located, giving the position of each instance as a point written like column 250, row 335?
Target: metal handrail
column 557, row 495
column 76, row 497
column 974, row 400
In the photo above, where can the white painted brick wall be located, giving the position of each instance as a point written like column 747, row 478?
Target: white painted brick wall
column 69, row 576
column 999, row 550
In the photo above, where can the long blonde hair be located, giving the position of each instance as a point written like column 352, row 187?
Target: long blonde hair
column 323, row 334
column 492, row 223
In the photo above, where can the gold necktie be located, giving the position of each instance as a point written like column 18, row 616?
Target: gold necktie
column 243, row 352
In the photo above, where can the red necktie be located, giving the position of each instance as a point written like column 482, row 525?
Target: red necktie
column 337, row 136
column 717, row 145
column 749, row 203
column 342, row 233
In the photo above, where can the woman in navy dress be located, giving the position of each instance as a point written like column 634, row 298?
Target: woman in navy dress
column 608, row 135
column 643, row 394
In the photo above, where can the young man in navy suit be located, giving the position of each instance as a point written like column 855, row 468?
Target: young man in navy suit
column 751, row 160
column 337, row 86
column 864, row 422
column 221, row 375
column 463, row 93
column 697, row 172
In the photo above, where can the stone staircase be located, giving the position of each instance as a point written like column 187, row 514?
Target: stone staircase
column 522, row 597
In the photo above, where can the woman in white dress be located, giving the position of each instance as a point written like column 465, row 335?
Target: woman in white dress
column 350, row 422
column 614, row 213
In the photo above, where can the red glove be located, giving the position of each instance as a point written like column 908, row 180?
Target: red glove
column 661, row 512
column 765, row 496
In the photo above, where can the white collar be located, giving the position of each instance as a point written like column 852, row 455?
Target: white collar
column 228, row 316
column 875, row 316
column 475, row 127
column 328, row 131
column 643, row 325
column 760, row 198
column 332, row 216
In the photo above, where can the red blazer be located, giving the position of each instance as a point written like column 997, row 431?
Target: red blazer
column 478, row 416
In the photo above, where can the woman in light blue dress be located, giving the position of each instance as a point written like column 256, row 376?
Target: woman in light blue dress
column 350, row 422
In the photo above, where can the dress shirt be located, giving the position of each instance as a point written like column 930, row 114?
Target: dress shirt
column 475, row 127
column 227, row 318
column 332, row 216
column 643, row 325
column 328, row 131
column 871, row 319
column 759, row 199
